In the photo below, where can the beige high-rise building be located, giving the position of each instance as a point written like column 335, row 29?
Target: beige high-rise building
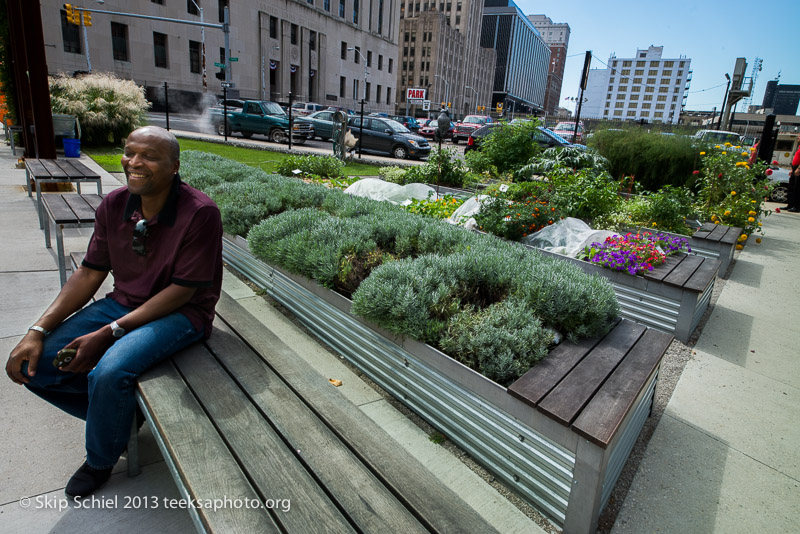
column 315, row 49
column 440, row 51
column 556, row 35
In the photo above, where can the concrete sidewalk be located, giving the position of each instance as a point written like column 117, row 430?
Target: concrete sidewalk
column 41, row 447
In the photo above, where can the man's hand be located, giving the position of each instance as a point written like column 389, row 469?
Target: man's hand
column 91, row 348
column 28, row 349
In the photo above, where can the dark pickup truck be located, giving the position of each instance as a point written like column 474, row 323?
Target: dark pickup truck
column 264, row 118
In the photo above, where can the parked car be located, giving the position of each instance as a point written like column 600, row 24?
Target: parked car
column 718, row 136
column 306, row 108
column 428, row 128
column 408, row 121
column 323, row 123
column 567, row 131
column 544, row 137
column 262, row 117
column 780, row 176
column 387, row 136
column 470, row 123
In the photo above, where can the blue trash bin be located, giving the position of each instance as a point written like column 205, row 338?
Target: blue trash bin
column 72, row 147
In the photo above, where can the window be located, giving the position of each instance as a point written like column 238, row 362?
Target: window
column 355, row 89
column 344, row 50
column 640, row 63
column 623, row 88
column 391, row 61
column 160, row 49
column 342, row 86
column 191, row 8
column 119, row 41
column 312, row 40
column 667, row 73
column 660, row 106
column 651, row 81
column 221, row 8
column 633, row 105
column 648, row 90
column 611, row 80
column 638, row 72
column 355, row 11
column 341, row 8
column 70, row 35
column 619, row 105
column 669, row 64
column 637, row 81
column 626, row 63
column 389, row 92
column 652, row 72
column 634, row 97
column 663, row 89
column 273, row 27
column 366, row 92
column 380, row 16
column 378, row 95
column 357, row 55
column 159, row 2
column 620, row 97
column 618, row 113
column 326, row 5
column 646, row 105
column 658, row 114
column 648, row 97
column 661, row 98
column 194, row 56
column 380, row 61
column 293, row 34
column 626, row 72
column 631, row 114
column 369, row 58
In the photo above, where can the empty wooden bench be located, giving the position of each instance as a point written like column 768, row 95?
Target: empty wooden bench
column 67, row 211
column 602, row 390
column 47, row 171
column 242, row 420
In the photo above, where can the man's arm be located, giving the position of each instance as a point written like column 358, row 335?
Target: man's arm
column 91, row 347
column 80, row 287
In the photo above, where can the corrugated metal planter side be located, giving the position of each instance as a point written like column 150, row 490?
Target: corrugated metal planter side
column 563, row 475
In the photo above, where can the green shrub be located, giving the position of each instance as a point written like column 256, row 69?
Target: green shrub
column 441, row 208
column 322, row 166
column 393, row 174
column 501, row 341
column 506, row 149
column 244, row 204
column 586, row 194
column 108, row 108
column 653, row 159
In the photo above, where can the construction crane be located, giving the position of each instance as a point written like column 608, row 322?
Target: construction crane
column 753, row 77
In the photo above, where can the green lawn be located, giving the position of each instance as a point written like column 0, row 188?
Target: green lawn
column 109, row 157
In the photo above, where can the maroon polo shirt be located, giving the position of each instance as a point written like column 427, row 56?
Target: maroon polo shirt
column 183, row 244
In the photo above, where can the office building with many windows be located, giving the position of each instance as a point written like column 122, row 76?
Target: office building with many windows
column 556, row 35
column 647, row 88
column 523, row 57
column 440, row 51
column 316, row 49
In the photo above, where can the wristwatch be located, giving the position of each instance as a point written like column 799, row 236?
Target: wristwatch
column 116, row 330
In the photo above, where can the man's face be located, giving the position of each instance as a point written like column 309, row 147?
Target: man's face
column 148, row 164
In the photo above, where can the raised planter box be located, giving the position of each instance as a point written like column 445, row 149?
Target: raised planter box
column 672, row 298
column 559, row 436
column 716, row 241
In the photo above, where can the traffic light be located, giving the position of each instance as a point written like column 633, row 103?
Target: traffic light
column 87, row 18
column 73, row 17
column 499, row 107
column 448, row 105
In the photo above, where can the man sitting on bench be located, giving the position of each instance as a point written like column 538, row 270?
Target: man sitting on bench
column 163, row 241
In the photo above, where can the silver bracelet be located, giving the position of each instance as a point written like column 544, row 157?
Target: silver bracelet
column 39, row 329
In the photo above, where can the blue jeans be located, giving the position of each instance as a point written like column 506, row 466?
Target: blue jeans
column 105, row 397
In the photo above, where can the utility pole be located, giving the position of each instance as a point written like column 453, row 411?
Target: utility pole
column 584, row 80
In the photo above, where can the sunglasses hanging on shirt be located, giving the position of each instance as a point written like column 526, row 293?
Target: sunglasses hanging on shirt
column 139, row 236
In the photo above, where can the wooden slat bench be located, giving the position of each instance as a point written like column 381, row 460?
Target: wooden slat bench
column 43, row 171
column 602, row 390
column 67, row 211
column 716, row 241
column 241, row 416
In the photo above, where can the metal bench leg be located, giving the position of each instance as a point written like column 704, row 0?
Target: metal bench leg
column 62, row 264
column 133, row 451
column 78, row 185
column 39, row 207
column 27, row 180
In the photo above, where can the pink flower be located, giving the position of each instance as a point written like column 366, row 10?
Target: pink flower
column 775, row 162
column 695, row 172
column 777, row 210
column 769, row 172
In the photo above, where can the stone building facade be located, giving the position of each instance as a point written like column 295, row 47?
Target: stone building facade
column 280, row 46
column 556, row 35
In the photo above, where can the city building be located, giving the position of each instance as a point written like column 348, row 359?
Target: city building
column 781, row 99
column 319, row 50
column 441, row 53
column 556, row 35
column 523, row 57
column 645, row 87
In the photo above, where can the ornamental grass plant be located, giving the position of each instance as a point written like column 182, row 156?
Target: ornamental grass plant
column 107, row 107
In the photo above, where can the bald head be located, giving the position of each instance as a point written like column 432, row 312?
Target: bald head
column 159, row 134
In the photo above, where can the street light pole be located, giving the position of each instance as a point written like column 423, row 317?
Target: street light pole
column 476, row 97
column 724, row 101
column 363, row 59
column 446, row 90
column 361, row 126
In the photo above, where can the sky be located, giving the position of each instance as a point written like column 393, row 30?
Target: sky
column 711, row 34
